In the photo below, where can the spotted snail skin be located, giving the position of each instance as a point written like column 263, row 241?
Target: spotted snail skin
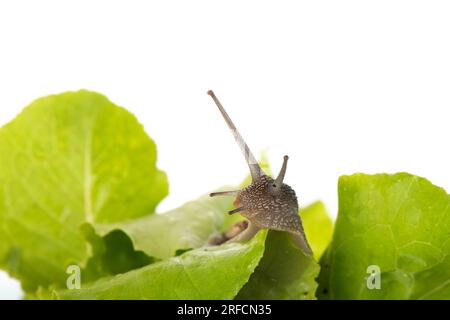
column 269, row 209
column 267, row 203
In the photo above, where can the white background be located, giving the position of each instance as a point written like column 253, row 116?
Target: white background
column 339, row 86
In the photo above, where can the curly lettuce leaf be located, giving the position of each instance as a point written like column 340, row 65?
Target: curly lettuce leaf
column 284, row 272
column 318, row 227
column 399, row 223
column 123, row 246
column 269, row 266
column 65, row 160
column 217, row 272
column 186, row 227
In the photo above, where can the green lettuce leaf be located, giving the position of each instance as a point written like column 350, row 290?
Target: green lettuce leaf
column 112, row 254
column 123, row 246
column 186, row 227
column 399, row 223
column 284, row 272
column 318, row 227
column 217, row 272
column 65, row 160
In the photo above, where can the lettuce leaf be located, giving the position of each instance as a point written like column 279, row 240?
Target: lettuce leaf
column 217, row 272
column 65, row 160
column 123, row 246
column 269, row 266
column 186, row 227
column 318, row 227
column 284, row 272
column 399, row 223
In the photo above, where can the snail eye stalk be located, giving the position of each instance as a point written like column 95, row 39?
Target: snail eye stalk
column 280, row 178
column 253, row 165
column 224, row 193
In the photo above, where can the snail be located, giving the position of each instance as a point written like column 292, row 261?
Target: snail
column 267, row 203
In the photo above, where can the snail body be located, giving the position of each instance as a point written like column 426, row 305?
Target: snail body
column 267, row 203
